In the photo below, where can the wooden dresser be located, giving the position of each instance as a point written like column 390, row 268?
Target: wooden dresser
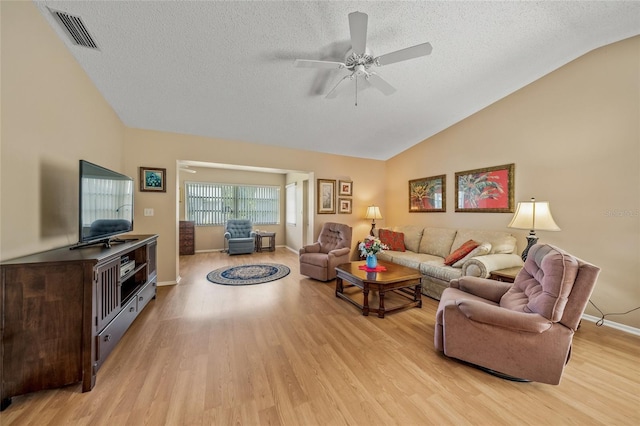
column 187, row 237
column 63, row 311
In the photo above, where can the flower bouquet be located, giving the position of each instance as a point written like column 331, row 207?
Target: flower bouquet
column 371, row 245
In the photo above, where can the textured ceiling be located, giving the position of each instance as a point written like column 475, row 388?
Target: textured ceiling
column 225, row 69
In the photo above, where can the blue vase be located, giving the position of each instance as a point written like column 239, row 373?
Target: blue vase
column 372, row 261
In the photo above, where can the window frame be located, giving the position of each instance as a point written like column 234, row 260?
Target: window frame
column 230, row 204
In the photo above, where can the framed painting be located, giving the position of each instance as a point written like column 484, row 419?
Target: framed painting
column 344, row 205
column 488, row 190
column 326, row 196
column 345, row 187
column 153, row 179
column 428, row 194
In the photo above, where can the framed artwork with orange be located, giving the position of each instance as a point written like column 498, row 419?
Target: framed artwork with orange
column 428, row 194
column 487, row 190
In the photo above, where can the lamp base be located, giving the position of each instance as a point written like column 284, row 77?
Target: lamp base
column 373, row 226
column 531, row 240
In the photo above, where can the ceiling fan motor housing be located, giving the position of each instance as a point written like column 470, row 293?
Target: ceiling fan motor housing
column 352, row 60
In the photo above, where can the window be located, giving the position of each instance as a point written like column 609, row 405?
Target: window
column 215, row 203
column 290, row 200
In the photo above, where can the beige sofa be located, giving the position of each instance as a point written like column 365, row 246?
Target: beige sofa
column 426, row 249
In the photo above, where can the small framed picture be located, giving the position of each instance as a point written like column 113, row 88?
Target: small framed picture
column 345, row 187
column 153, row 179
column 326, row 196
column 344, row 205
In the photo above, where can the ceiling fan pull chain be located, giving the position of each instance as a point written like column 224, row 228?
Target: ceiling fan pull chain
column 356, row 90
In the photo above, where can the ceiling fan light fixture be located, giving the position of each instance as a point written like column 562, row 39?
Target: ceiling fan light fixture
column 359, row 58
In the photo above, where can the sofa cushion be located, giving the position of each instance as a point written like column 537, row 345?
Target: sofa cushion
column 393, row 240
column 481, row 250
column 437, row 241
column 412, row 236
column 504, row 245
column 460, row 252
column 440, row 271
column 501, row 242
column 386, row 255
column 408, row 258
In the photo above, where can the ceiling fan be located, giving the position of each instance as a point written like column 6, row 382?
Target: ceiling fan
column 359, row 59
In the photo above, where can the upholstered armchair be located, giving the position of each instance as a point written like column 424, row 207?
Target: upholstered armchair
column 240, row 236
column 522, row 330
column 319, row 260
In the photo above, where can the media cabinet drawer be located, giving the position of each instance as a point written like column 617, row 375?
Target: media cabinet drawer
column 108, row 338
column 147, row 293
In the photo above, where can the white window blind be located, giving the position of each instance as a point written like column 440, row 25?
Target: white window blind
column 290, row 203
column 215, row 203
column 106, row 199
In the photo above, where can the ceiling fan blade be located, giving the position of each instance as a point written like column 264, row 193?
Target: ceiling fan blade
column 423, row 49
column 308, row 63
column 333, row 93
column 380, row 83
column 358, row 29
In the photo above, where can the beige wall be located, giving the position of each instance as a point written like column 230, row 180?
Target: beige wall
column 162, row 149
column 52, row 116
column 574, row 137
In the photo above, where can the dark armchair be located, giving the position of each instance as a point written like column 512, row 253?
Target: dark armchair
column 240, row 236
column 522, row 330
column 319, row 260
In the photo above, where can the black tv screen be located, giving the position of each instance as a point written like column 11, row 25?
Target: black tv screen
column 106, row 203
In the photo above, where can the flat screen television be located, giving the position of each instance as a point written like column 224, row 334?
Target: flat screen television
column 106, row 205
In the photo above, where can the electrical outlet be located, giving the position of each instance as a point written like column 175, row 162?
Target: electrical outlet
column 148, row 212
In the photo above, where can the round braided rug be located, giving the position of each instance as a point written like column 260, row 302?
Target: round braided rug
column 248, row 274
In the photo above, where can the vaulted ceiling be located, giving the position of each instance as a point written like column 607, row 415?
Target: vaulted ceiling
column 226, row 69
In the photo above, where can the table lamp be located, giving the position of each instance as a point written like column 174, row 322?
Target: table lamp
column 373, row 213
column 534, row 216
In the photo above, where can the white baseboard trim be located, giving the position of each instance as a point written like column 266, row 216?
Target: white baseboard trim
column 222, row 250
column 617, row 326
column 164, row 283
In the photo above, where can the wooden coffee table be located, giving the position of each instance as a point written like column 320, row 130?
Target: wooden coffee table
column 399, row 279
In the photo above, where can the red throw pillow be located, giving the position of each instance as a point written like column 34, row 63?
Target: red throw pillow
column 393, row 240
column 460, row 252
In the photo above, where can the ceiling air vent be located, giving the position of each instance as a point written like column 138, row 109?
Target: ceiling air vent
column 75, row 28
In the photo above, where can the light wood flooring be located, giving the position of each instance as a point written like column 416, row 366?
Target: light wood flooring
column 290, row 353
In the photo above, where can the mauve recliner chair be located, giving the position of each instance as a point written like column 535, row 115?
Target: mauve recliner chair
column 522, row 330
column 319, row 260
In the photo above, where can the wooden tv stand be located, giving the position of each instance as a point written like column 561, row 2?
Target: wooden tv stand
column 63, row 311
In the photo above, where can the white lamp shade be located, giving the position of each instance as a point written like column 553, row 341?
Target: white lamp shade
column 373, row 212
column 533, row 215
